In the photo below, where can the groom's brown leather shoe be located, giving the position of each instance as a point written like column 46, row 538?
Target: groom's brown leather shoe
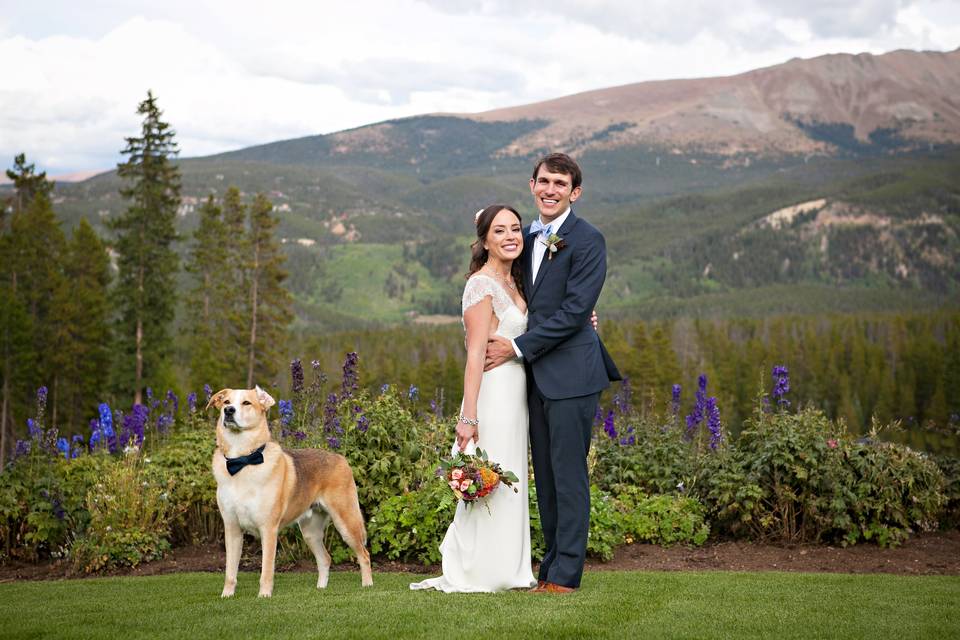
column 540, row 588
column 552, row 587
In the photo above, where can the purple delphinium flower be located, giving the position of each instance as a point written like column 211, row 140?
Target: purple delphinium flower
column 334, row 442
column 695, row 418
column 42, row 397
column 296, row 376
column 713, row 422
column 286, row 412
column 675, row 400
column 315, row 364
column 134, row 426
column 106, row 420
column 22, row 448
column 413, row 392
column 781, row 385
column 172, row 402
column 32, row 428
column 598, row 416
column 192, row 402
column 149, row 395
column 609, row 427
column 78, row 446
column 330, row 413
column 63, row 446
column 208, row 391
column 624, row 399
column 350, row 375
column 384, row 388
column 363, row 423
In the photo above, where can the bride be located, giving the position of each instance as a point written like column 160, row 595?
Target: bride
column 489, row 550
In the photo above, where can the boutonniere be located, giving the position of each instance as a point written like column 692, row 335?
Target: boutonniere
column 554, row 243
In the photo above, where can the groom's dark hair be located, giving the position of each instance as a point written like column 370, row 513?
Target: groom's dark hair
column 561, row 163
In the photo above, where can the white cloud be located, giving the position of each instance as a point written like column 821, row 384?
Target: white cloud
column 234, row 74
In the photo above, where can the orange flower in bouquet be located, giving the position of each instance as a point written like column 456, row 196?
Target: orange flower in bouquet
column 472, row 477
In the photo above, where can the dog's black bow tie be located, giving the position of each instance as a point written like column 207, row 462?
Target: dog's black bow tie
column 235, row 464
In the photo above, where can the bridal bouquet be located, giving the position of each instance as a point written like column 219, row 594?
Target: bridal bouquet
column 474, row 476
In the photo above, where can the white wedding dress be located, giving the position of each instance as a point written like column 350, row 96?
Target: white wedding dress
column 483, row 550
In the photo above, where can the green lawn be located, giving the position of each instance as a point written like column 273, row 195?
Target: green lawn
column 611, row 604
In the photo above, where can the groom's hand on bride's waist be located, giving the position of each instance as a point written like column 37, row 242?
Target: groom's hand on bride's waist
column 499, row 350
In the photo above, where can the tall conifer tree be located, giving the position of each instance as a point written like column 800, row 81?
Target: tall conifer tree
column 25, row 259
column 146, row 261
column 270, row 303
column 214, row 358
column 82, row 327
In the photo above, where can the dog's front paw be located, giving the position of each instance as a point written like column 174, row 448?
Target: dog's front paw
column 264, row 594
column 227, row 593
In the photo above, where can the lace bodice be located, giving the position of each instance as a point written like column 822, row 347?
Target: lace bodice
column 513, row 322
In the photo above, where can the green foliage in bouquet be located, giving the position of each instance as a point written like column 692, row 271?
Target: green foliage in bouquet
column 129, row 519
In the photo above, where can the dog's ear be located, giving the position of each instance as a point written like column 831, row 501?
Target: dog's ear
column 216, row 400
column 266, row 400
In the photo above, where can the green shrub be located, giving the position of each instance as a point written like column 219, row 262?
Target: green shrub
column 800, row 478
column 896, row 491
column 129, row 519
column 42, row 502
column 606, row 525
column 184, row 463
column 950, row 467
column 647, row 454
column 662, row 519
column 410, row 526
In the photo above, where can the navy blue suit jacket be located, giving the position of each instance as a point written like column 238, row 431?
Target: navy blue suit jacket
column 562, row 351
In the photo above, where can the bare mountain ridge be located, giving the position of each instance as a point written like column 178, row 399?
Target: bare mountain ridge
column 910, row 95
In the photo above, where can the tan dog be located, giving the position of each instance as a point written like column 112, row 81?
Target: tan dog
column 271, row 487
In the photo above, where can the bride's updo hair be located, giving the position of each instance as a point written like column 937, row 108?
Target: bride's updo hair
column 479, row 257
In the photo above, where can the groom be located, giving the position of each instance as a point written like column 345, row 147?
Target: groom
column 565, row 263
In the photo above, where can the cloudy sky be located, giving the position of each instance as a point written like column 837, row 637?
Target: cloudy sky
column 233, row 74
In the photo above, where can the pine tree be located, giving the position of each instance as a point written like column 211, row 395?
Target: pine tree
column 210, row 303
column 26, row 183
column 81, row 342
column 270, row 303
column 37, row 246
column 236, row 311
column 146, row 261
column 25, row 258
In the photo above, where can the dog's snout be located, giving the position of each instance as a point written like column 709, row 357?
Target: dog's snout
column 229, row 410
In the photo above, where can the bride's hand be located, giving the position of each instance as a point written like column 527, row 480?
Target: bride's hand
column 594, row 320
column 466, row 433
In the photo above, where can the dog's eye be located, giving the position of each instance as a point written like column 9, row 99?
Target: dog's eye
column 226, row 402
column 247, row 402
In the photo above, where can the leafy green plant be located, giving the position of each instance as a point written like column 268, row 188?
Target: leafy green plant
column 129, row 519
column 183, row 464
column 411, row 526
column 656, row 460
column 606, row 525
column 662, row 519
column 950, row 467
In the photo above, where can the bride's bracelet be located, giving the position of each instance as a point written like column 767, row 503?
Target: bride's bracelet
column 473, row 423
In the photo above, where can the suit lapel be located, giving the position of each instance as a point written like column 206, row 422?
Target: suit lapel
column 527, row 257
column 547, row 261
